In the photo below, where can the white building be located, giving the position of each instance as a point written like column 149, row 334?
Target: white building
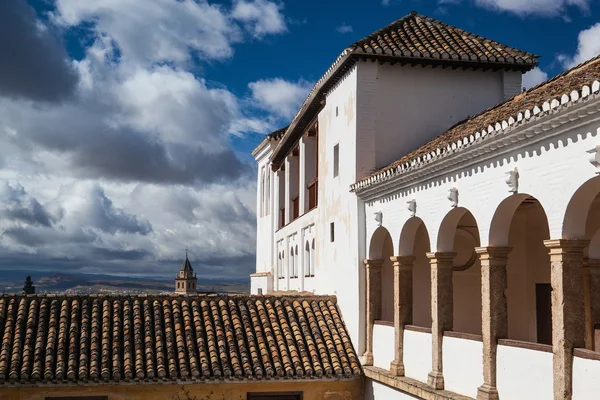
column 456, row 218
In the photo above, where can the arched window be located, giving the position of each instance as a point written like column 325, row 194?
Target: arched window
column 291, row 264
column 307, row 259
column 296, row 266
column 312, row 258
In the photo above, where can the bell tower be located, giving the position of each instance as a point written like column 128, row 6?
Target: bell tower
column 186, row 281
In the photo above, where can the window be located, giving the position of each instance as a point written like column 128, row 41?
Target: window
column 280, row 265
column 275, row 396
column 336, row 111
column 336, row 160
column 291, row 263
column 331, row 232
column 307, row 259
column 296, row 266
column 78, row 398
column 312, row 259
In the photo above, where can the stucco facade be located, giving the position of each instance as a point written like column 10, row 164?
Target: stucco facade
column 460, row 230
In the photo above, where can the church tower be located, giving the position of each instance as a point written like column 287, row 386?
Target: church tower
column 185, row 281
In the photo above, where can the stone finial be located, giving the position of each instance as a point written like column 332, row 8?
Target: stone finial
column 379, row 218
column 453, row 196
column 412, row 207
column 594, row 157
column 512, row 180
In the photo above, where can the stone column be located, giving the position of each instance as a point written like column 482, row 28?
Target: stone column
column 373, row 273
column 441, row 311
column 403, row 267
column 568, row 316
column 494, row 313
column 594, row 301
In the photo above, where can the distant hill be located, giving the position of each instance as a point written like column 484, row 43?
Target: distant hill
column 12, row 282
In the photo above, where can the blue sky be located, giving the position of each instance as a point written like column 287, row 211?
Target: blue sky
column 127, row 125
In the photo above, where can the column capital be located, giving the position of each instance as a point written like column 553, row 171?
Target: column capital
column 373, row 263
column 566, row 245
column 441, row 256
column 493, row 252
column 403, row 260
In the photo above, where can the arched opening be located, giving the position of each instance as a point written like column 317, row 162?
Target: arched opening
column 312, row 258
column 520, row 223
column 582, row 221
column 307, row 259
column 382, row 248
column 414, row 240
column 459, row 234
column 291, row 263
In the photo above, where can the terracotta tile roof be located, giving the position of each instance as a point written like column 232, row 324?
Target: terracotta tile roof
column 412, row 39
column 78, row 339
column 572, row 86
column 418, row 36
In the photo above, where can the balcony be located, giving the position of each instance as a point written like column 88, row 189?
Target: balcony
column 312, row 195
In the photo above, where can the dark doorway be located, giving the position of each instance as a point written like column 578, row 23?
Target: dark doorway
column 543, row 310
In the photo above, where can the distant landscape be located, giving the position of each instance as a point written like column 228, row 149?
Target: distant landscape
column 57, row 282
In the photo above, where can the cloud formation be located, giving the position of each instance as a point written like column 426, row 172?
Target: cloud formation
column 279, row 96
column 545, row 8
column 134, row 163
column 534, row 77
column 344, row 28
column 34, row 65
column 588, row 46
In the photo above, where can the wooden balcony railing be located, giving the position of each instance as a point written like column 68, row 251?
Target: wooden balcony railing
column 312, row 195
column 295, row 207
column 281, row 217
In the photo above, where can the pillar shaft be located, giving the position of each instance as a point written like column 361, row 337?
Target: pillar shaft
column 373, row 272
column 441, row 311
column 403, row 267
column 568, row 316
column 494, row 313
column 593, row 275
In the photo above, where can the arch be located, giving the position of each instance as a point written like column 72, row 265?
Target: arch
column 376, row 245
column 576, row 214
column 448, row 228
column 313, row 257
column 408, row 236
column 503, row 216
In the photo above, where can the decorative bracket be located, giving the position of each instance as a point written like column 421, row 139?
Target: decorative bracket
column 379, row 218
column 512, row 180
column 412, row 207
column 594, row 157
column 453, row 196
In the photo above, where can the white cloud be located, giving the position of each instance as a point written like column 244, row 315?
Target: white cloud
column 260, row 17
column 137, row 165
column 588, row 46
column 344, row 28
column 534, row 7
column 172, row 30
column 278, row 96
column 534, row 77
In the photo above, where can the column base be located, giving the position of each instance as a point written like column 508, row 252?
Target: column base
column 436, row 380
column 485, row 392
column 397, row 368
column 366, row 359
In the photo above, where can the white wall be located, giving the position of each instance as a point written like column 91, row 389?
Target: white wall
column 463, row 365
column 414, row 105
column 586, row 379
column 377, row 391
column 417, row 355
column 524, row 374
column 383, row 346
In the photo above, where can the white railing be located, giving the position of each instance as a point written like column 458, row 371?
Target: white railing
column 463, row 363
column 524, row 370
column 383, row 344
column 417, row 353
column 586, row 375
